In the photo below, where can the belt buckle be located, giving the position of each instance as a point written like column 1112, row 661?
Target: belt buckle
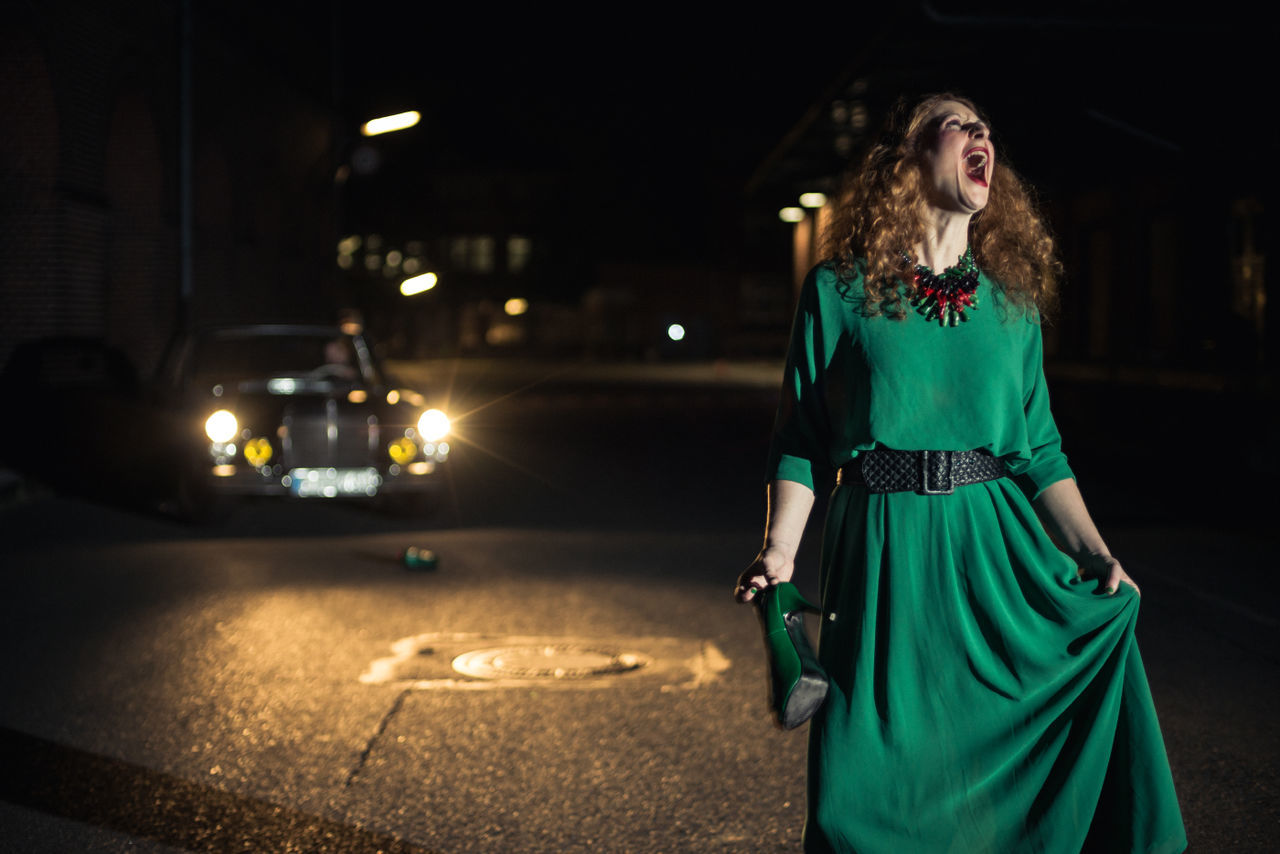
column 927, row 485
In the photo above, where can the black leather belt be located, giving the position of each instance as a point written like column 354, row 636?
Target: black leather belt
column 925, row 472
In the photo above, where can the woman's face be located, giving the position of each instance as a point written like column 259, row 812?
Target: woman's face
column 959, row 163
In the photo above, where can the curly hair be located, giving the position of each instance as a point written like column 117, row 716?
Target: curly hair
column 880, row 215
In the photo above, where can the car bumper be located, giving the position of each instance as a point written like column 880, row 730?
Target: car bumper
column 325, row 482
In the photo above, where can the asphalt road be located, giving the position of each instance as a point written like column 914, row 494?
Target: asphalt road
column 281, row 682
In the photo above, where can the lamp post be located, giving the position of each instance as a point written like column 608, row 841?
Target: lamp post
column 358, row 157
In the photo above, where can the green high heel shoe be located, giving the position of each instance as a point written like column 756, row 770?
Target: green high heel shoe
column 797, row 683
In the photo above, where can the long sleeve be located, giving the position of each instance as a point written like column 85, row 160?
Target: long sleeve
column 856, row 381
column 1048, row 464
column 799, row 449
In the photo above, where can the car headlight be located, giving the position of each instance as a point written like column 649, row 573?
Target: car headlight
column 221, row 426
column 433, row 425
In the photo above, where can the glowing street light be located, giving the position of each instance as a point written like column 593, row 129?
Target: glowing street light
column 387, row 124
column 418, row 284
column 791, row 214
column 813, row 200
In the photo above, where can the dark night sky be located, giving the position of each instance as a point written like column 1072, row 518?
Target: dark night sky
column 652, row 120
column 659, row 117
column 609, row 97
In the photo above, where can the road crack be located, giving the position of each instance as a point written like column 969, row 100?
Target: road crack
column 373, row 739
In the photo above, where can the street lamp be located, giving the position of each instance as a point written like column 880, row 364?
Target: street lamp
column 808, row 228
column 364, row 158
column 418, row 284
column 387, row 124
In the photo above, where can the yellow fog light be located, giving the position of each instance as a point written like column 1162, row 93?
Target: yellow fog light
column 258, row 452
column 402, row 450
column 433, row 425
column 221, row 426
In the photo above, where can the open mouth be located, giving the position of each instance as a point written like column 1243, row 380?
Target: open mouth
column 975, row 164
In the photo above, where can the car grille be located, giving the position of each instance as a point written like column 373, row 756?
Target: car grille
column 325, row 433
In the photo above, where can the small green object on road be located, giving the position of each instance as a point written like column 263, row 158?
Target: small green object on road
column 416, row 558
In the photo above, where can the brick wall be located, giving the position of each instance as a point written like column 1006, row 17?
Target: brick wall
column 89, row 174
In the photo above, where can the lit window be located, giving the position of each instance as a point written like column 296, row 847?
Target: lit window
column 858, row 116
column 482, row 254
column 458, row 253
column 518, row 251
column 473, row 254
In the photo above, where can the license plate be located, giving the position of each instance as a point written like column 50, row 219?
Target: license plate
column 334, row 483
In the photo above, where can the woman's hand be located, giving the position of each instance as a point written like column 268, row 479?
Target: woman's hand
column 789, row 505
column 1108, row 570
column 1062, row 511
column 771, row 566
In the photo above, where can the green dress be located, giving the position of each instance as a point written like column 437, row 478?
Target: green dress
column 983, row 698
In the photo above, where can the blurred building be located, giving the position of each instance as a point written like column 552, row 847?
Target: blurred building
column 161, row 163
column 500, row 242
column 198, row 162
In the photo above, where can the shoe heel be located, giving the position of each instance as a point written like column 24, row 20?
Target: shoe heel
column 798, row 685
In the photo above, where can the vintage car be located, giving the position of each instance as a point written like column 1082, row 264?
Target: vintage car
column 300, row 412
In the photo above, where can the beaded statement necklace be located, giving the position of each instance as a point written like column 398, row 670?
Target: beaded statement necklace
column 946, row 296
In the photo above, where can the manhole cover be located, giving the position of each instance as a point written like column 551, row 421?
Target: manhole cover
column 546, row 661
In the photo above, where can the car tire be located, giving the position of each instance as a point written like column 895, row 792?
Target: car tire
column 196, row 503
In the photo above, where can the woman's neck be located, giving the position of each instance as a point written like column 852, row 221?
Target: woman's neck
column 946, row 236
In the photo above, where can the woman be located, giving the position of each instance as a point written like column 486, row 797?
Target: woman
column 986, row 691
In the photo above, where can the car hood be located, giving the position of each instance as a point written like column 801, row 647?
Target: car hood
column 273, row 399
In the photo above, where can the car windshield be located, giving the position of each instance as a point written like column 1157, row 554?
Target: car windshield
column 308, row 355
